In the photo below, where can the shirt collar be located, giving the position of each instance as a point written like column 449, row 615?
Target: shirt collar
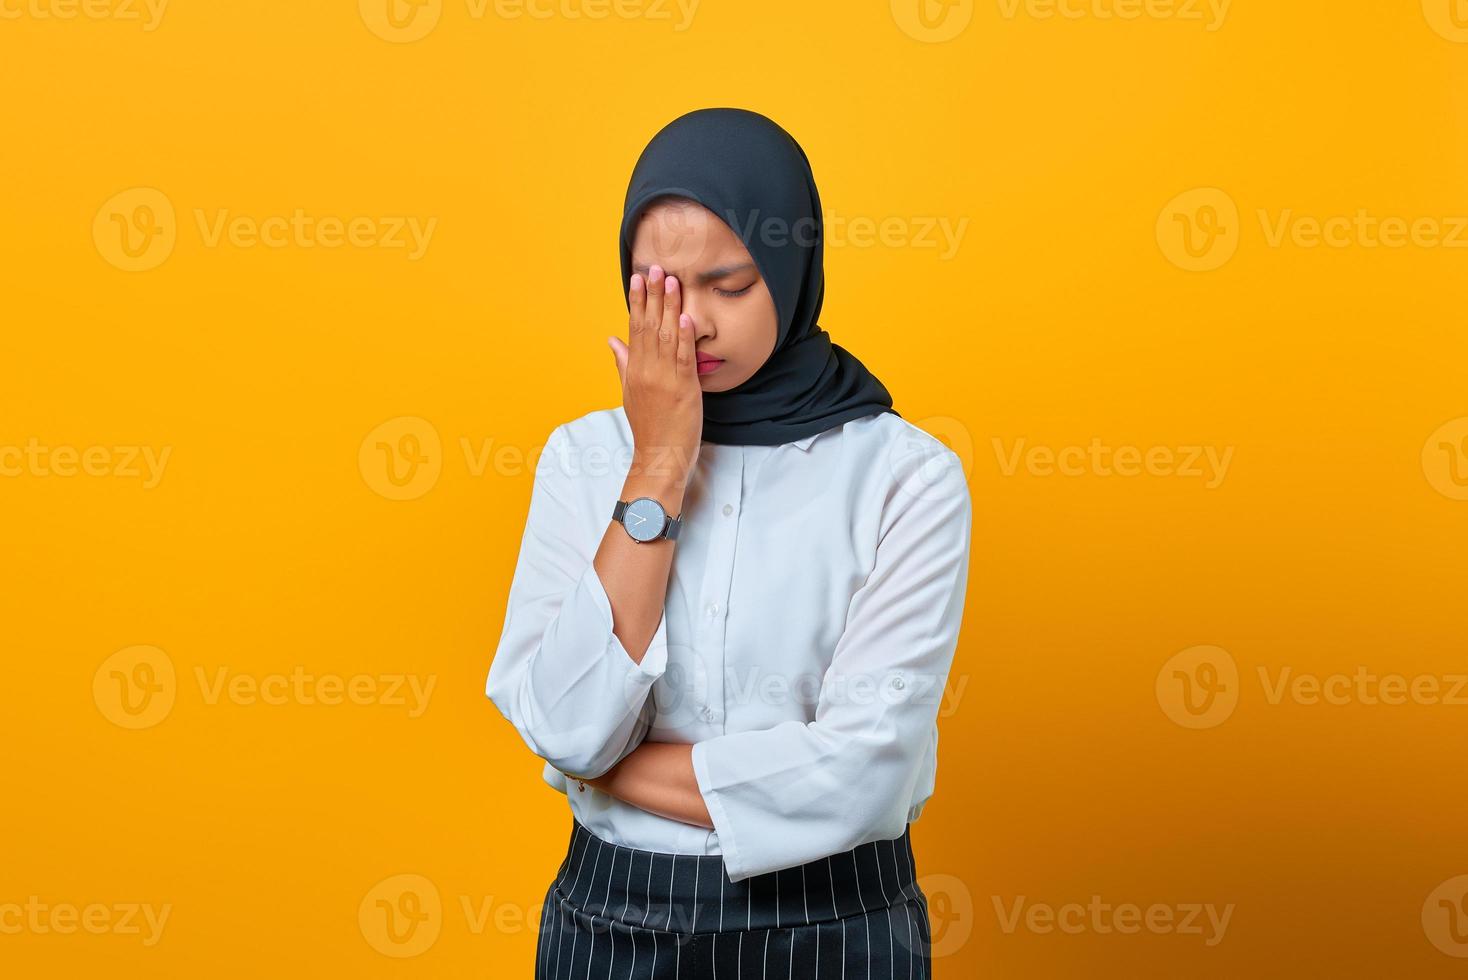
column 804, row 444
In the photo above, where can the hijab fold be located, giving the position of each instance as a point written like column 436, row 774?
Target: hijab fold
column 753, row 175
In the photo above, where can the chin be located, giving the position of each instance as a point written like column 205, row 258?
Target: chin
column 717, row 384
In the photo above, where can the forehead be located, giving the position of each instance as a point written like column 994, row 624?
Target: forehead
column 690, row 232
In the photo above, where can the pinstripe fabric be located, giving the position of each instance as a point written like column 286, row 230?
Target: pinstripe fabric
column 619, row 913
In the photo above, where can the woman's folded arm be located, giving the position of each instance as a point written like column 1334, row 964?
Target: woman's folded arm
column 797, row 792
column 560, row 674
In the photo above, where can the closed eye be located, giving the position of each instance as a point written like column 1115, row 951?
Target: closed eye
column 733, row 292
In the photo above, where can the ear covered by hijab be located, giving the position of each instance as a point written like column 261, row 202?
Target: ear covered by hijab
column 753, row 175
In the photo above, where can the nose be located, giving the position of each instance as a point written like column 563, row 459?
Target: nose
column 693, row 306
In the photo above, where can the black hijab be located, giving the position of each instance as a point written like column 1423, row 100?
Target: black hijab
column 756, row 178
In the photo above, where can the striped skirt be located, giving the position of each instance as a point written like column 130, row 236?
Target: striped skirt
column 619, row 912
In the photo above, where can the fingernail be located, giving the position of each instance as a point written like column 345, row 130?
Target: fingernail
column 672, row 282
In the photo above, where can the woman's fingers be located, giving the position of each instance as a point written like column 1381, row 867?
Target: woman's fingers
column 687, row 369
column 619, row 353
column 636, row 304
column 658, row 364
column 652, row 316
column 657, row 333
column 668, row 330
column 636, row 317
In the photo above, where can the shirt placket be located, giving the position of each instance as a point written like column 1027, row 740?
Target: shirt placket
column 713, row 608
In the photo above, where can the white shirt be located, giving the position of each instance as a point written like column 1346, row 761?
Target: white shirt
column 811, row 617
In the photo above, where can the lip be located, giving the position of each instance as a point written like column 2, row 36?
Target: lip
column 708, row 364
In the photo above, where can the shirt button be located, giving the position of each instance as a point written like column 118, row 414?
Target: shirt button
column 707, row 713
column 713, row 609
column 728, row 509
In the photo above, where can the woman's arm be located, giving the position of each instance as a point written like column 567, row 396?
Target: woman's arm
column 635, row 576
column 658, row 777
column 796, row 792
column 664, row 408
column 560, row 673
column 584, row 641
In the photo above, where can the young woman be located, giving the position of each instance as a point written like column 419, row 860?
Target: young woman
column 736, row 603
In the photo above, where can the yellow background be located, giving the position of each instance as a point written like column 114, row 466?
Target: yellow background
column 271, row 542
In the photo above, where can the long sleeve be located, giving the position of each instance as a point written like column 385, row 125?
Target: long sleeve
column 557, row 780
column 560, row 675
column 798, row 792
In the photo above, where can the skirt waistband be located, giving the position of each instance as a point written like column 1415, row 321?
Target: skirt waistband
column 692, row 893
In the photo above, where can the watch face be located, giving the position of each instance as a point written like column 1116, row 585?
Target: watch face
column 644, row 519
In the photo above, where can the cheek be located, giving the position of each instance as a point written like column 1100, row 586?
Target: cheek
column 756, row 328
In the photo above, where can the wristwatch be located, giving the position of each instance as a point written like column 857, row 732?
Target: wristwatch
column 646, row 520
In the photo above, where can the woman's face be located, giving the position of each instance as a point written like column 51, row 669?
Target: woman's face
column 733, row 313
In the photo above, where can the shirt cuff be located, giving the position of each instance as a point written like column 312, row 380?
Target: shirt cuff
column 655, row 661
column 728, row 844
column 555, row 779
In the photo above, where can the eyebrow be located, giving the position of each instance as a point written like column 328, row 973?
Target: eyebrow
column 712, row 275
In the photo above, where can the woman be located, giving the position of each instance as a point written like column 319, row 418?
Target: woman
column 736, row 603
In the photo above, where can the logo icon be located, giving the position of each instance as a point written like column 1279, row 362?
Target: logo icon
column 1199, row 687
column 1445, row 916
column 685, row 690
column 401, row 459
column 401, row 916
column 135, row 229
column 1445, row 459
column 932, row 480
column 1448, row 17
column 400, row 21
column 679, row 235
column 135, row 687
column 672, row 226
column 1199, row 229
column 933, row 21
column 950, row 912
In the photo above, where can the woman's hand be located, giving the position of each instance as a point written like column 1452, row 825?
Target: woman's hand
column 660, row 390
